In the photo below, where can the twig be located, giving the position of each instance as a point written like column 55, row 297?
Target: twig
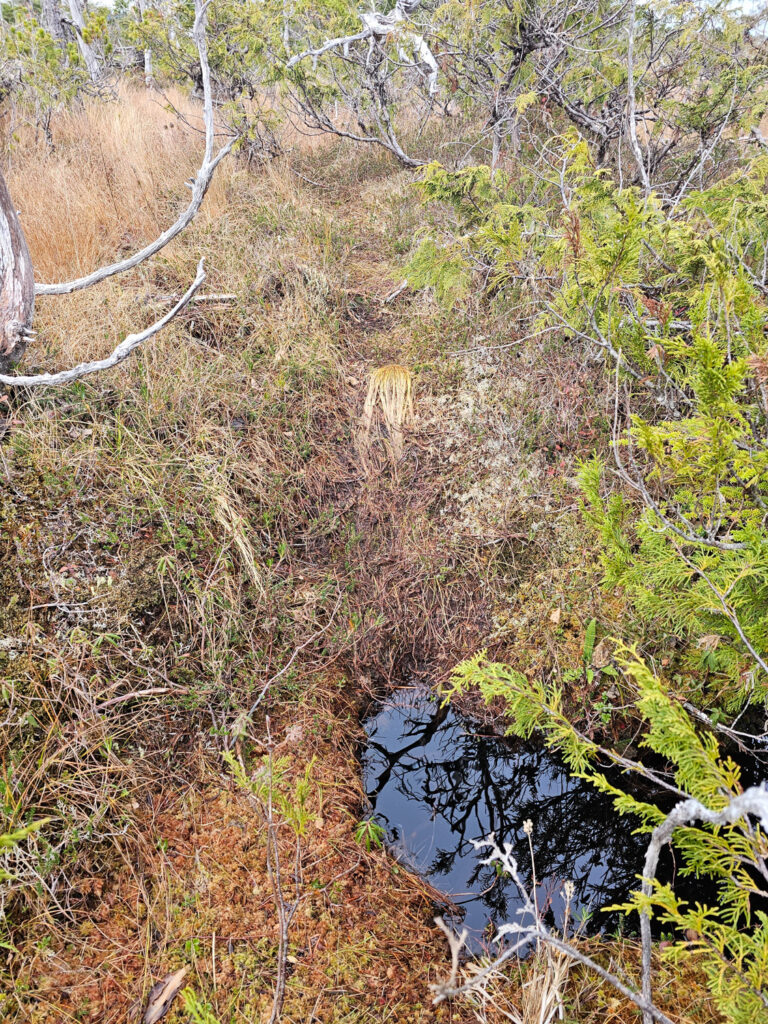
column 152, row 691
column 508, row 344
column 208, row 297
column 273, row 679
column 398, row 291
column 456, row 944
column 285, row 913
column 732, row 734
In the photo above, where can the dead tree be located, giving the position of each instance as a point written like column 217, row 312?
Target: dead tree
column 18, row 289
column 148, row 74
column 53, row 21
column 376, row 29
column 87, row 52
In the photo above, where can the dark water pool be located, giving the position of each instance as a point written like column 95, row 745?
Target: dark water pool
column 435, row 784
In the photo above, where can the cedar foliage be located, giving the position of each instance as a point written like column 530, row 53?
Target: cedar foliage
column 667, row 287
column 731, row 943
column 675, row 302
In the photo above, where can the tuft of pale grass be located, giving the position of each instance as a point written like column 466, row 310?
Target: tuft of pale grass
column 538, row 1000
column 227, row 509
column 390, row 394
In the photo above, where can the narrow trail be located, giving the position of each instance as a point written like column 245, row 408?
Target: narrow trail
column 205, row 519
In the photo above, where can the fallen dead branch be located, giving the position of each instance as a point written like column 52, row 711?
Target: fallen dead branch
column 118, row 355
column 162, row 995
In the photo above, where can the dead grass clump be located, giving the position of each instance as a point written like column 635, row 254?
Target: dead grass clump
column 533, row 994
column 390, row 395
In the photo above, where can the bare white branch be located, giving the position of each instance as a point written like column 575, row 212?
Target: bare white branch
column 455, row 944
column 631, row 113
column 122, row 351
column 377, row 27
column 753, row 801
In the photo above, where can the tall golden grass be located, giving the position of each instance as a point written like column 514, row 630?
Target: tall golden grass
column 114, row 180
column 390, row 390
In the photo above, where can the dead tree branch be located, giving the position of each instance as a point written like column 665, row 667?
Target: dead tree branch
column 753, row 801
column 121, row 353
column 377, row 28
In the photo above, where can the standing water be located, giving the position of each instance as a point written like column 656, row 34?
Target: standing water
column 435, row 785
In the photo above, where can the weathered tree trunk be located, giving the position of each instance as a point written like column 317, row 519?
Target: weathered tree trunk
column 17, row 283
column 148, row 73
column 87, row 52
column 53, row 22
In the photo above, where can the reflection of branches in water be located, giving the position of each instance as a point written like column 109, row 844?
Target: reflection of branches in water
column 480, row 785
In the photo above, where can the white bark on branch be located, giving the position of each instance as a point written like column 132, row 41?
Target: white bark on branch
column 377, row 27
column 148, row 75
column 753, row 801
column 631, row 113
column 200, row 183
column 119, row 354
column 17, row 290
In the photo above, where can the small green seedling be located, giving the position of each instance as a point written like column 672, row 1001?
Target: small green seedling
column 370, row 834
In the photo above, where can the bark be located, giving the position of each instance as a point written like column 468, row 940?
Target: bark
column 148, row 72
column 87, row 52
column 17, row 283
column 53, row 22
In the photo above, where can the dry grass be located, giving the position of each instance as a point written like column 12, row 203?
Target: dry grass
column 173, row 530
column 534, row 993
column 192, row 890
column 107, row 187
column 390, row 395
column 547, row 987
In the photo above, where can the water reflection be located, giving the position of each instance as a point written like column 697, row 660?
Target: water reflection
column 436, row 785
